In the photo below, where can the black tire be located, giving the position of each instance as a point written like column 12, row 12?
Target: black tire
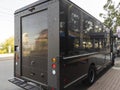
column 91, row 75
column 113, row 60
column 113, row 63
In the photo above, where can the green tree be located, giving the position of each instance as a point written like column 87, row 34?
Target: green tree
column 7, row 46
column 112, row 15
column 2, row 50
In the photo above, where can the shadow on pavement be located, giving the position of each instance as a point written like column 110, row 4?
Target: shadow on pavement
column 84, row 86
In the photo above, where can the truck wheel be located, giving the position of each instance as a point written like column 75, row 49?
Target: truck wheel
column 113, row 60
column 91, row 75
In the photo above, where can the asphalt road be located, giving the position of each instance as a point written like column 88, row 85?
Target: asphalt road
column 6, row 72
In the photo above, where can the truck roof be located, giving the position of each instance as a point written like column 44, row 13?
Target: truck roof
column 31, row 5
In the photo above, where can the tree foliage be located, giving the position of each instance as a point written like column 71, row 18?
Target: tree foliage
column 112, row 15
column 7, row 46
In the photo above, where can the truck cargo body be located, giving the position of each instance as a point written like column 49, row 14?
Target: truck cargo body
column 58, row 44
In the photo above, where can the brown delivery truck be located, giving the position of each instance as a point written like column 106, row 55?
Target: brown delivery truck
column 58, row 44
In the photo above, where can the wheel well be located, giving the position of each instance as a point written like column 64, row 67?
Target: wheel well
column 92, row 64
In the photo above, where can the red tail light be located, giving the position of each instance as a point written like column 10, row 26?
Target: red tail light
column 53, row 66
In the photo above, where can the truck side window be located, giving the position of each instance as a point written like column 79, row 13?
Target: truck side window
column 73, row 30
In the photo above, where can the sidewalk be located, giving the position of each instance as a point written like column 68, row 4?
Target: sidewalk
column 110, row 80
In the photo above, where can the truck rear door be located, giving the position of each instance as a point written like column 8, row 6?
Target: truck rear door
column 35, row 46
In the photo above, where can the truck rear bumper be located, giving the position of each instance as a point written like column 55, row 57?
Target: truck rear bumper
column 25, row 85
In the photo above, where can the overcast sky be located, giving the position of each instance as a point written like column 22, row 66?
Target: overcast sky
column 8, row 7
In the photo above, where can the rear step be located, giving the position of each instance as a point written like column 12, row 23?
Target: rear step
column 25, row 85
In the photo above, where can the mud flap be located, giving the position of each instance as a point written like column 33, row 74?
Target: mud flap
column 24, row 85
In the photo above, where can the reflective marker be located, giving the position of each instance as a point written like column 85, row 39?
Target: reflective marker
column 54, row 60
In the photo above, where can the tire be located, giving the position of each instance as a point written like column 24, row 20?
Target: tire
column 113, row 60
column 91, row 75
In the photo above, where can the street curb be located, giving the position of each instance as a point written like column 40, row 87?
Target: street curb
column 6, row 55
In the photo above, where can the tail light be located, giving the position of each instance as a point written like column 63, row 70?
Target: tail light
column 53, row 72
column 54, row 65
